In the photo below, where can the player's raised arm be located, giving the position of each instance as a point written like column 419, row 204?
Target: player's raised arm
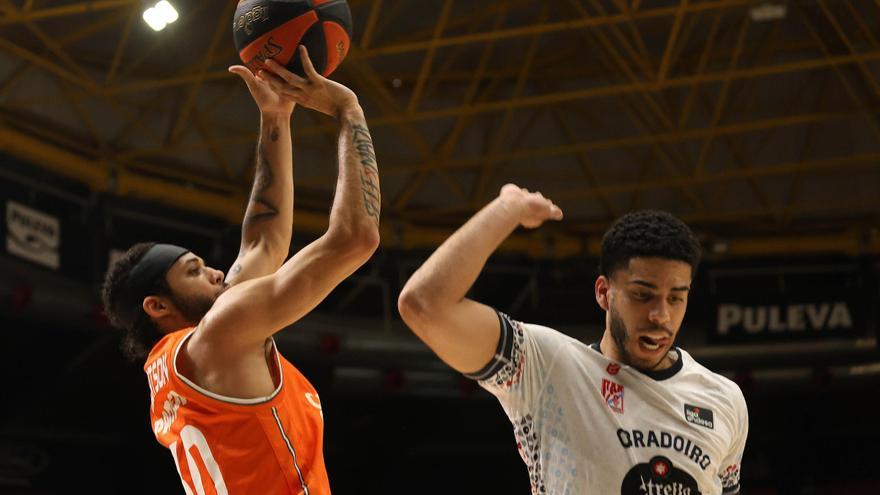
column 252, row 311
column 268, row 221
column 462, row 332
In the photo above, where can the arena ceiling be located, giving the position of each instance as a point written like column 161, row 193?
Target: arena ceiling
column 755, row 121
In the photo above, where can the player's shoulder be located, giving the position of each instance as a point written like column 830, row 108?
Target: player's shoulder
column 717, row 381
column 543, row 333
column 167, row 346
column 550, row 341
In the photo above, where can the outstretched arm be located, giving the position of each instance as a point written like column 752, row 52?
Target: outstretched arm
column 246, row 315
column 268, row 221
column 462, row 332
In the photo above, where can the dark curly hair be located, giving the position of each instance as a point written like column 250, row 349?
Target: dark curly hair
column 139, row 338
column 648, row 234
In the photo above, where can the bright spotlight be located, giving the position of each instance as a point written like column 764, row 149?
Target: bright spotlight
column 160, row 15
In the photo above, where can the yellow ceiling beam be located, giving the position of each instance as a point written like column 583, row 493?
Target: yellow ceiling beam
column 561, row 97
column 58, row 160
column 635, row 141
column 545, row 243
column 64, row 10
column 848, row 243
column 815, row 166
column 190, row 103
column 99, row 176
column 833, row 164
column 552, row 27
column 44, row 63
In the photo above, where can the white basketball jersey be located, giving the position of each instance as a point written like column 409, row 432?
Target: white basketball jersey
column 585, row 424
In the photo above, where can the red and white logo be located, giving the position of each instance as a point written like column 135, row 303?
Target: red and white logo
column 613, row 395
column 660, row 468
column 612, row 368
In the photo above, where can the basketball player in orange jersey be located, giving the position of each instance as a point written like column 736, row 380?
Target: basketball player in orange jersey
column 237, row 417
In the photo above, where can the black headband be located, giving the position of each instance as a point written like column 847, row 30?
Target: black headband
column 143, row 279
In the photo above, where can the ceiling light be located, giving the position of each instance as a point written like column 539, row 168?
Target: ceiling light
column 768, row 12
column 160, row 15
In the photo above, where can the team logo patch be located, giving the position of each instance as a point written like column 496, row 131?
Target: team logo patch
column 661, row 467
column 612, row 368
column 699, row 416
column 613, row 395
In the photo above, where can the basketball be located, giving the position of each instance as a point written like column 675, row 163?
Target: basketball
column 265, row 29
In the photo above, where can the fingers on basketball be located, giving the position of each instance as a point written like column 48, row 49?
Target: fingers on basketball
column 311, row 73
column 269, row 78
column 284, row 74
column 278, row 85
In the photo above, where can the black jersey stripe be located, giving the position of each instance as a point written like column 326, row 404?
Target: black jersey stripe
column 503, row 352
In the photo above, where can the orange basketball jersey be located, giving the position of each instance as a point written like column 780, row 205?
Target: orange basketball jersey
column 223, row 445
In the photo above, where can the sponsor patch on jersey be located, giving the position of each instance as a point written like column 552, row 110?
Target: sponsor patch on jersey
column 613, row 368
column 659, row 477
column 699, row 416
column 613, row 394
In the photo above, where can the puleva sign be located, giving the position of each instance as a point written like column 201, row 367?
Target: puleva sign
column 791, row 320
column 817, row 317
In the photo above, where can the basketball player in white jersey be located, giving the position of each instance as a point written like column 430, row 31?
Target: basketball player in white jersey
column 631, row 414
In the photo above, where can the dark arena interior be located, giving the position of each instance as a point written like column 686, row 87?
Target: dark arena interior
column 756, row 122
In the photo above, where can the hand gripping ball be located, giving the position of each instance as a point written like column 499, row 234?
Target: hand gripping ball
column 265, row 29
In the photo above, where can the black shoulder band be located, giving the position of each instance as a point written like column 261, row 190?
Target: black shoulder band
column 503, row 352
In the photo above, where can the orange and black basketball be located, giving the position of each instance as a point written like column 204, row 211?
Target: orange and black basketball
column 273, row 29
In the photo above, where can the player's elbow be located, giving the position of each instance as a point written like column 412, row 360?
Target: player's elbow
column 357, row 244
column 369, row 239
column 415, row 307
column 364, row 242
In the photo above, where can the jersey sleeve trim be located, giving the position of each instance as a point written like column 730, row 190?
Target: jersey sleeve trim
column 225, row 398
column 503, row 352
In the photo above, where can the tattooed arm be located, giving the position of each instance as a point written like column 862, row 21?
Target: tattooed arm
column 358, row 200
column 268, row 221
column 248, row 313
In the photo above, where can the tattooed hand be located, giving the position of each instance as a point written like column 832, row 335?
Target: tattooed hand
column 315, row 92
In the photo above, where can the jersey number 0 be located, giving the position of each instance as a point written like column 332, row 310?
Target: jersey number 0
column 199, row 461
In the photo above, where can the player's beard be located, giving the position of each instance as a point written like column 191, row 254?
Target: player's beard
column 621, row 337
column 193, row 308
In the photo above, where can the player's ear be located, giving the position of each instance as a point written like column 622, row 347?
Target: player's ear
column 156, row 307
column 602, row 287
